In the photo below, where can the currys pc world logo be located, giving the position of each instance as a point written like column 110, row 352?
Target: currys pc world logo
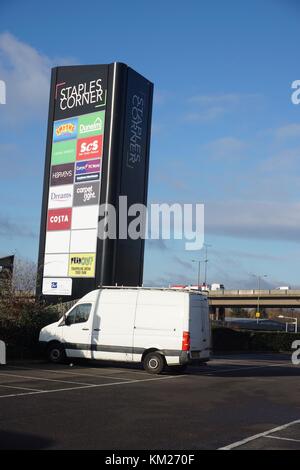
column 88, row 167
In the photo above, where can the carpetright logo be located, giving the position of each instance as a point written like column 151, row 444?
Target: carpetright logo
column 86, row 194
column 2, row 92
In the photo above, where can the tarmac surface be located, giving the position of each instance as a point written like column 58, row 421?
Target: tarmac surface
column 235, row 402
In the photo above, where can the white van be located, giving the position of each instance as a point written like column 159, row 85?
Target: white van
column 157, row 327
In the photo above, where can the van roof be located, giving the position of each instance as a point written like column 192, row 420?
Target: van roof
column 168, row 289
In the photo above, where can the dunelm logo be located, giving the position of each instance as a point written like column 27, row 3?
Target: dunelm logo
column 95, row 126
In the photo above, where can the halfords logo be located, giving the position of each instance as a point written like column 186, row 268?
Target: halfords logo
column 82, row 94
column 64, row 130
column 59, row 219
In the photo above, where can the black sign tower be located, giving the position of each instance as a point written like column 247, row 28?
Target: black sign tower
column 97, row 150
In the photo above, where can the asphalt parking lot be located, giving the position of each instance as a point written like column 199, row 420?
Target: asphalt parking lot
column 235, row 402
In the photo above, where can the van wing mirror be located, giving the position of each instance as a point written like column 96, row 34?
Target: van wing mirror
column 67, row 320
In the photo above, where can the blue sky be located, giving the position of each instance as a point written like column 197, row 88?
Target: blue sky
column 225, row 132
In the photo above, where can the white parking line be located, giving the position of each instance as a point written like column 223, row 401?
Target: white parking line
column 40, row 392
column 257, row 436
column 20, row 388
column 41, row 378
column 282, row 438
column 234, row 369
column 67, row 372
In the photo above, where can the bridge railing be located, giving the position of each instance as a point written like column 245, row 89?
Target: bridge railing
column 252, row 292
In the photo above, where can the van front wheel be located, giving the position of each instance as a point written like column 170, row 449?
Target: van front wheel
column 154, row 363
column 56, row 353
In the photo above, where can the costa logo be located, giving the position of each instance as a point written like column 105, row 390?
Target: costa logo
column 89, row 147
column 64, row 130
column 59, row 219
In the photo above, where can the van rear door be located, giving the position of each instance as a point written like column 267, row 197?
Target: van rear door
column 196, row 324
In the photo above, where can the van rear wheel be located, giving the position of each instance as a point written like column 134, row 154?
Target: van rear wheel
column 154, row 363
column 56, row 353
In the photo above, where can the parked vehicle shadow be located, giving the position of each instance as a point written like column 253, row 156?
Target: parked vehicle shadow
column 20, row 441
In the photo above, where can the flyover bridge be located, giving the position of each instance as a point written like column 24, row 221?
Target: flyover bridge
column 250, row 298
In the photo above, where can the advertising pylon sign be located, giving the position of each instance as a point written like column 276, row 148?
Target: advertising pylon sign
column 97, row 150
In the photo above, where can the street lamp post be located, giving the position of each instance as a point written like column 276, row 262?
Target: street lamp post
column 206, row 245
column 199, row 263
column 259, row 277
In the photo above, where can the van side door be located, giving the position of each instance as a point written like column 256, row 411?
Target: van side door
column 112, row 335
column 76, row 331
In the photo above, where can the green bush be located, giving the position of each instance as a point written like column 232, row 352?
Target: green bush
column 273, row 341
column 20, row 324
column 227, row 339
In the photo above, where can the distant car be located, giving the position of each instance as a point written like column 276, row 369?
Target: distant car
column 283, row 288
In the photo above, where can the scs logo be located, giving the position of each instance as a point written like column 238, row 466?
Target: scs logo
column 91, row 147
column 59, row 219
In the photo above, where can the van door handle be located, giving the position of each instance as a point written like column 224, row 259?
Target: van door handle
column 85, row 329
column 97, row 329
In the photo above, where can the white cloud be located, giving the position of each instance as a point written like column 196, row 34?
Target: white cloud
column 288, row 131
column 254, row 219
column 212, row 107
column 216, row 100
column 209, row 114
column 26, row 72
column 226, row 147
